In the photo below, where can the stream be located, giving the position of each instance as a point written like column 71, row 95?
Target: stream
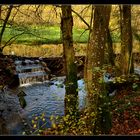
column 43, row 97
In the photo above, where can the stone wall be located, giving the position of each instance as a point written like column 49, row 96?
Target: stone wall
column 7, row 70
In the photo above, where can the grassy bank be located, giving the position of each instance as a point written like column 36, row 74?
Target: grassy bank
column 35, row 35
column 46, row 50
column 41, row 34
column 45, row 41
column 49, row 50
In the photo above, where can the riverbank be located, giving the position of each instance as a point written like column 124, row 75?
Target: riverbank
column 10, row 110
column 125, row 107
column 125, row 113
column 7, row 71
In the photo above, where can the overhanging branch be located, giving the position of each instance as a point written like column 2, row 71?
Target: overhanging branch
column 81, row 18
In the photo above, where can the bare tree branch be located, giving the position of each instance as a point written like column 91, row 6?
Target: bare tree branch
column 10, row 42
column 81, row 18
column 5, row 22
column 91, row 21
column 83, row 33
column 28, row 15
column 115, row 29
column 85, row 8
column 17, row 9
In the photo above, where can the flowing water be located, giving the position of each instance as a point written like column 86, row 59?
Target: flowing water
column 43, row 97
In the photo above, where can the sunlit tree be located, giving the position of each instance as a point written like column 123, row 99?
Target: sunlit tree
column 95, row 60
column 126, row 40
column 69, row 58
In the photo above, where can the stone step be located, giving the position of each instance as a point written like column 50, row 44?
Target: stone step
column 31, row 74
column 20, row 68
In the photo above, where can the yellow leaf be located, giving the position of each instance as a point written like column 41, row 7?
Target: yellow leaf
column 34, row 126
column 43, row 119
column 43, row 114
column 36, row 118
column 40, row 131
column 33, row 121
column 51, row 117
column 54, row 125
column 23, row 133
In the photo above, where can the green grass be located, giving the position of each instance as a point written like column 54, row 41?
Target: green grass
column 42, row 35
column 37, row 35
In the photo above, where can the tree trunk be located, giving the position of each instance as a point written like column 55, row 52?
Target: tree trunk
column 69, row 58
column 110, row 51
column 87, row 64
column 127, row 65
column 95, row 62
column 0, row 12
column 95, row 49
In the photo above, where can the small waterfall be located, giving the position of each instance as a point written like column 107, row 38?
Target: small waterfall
column 30, row 71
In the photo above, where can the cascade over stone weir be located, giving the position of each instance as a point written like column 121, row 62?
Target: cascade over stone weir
column 45, row 97
column 30, row 71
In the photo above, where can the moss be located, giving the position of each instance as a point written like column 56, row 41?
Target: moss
column 21, row 94
column 71, row 83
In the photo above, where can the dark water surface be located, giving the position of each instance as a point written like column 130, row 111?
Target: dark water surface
column 41, row 98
